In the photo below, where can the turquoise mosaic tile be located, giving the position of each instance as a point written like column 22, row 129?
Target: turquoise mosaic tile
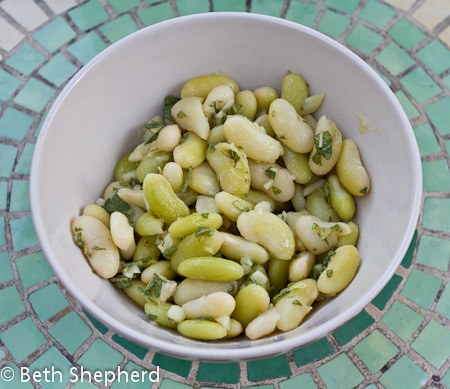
column 353, row 327
column 438, row 114
column 11, row 304
column 443, row 305
column 383, row 297
column 446, row 379
column 54, row 35
column 340, row 373
column 410, row 110
column 434, row 252
column 120, row 6
column 2, row 231
column 268, row 368
column 169, row 384
column 406, row 34
column 58, row 70
column 305, row 14
column 6, row 273
column 303, row 381
column 26, row 59
column 406, row 262
column 219, row 372
column 88, row 15
column 71, row 332
column 155, row 14
column 175, row 365
column 347, row 6
column 20, row 200
column 446, row 81
column 130, row 346
column 229, row 5
column 402, row 320
column 312, row 352
column 3, row 194
column 100, row 356
column 404, row 374
column 421, row 288
column 364, row 39
column 394, row 59
column 96, row 323
column 33, row 268
column 377, row 13
column 119, row 28
column 333, row 24
column 435, row 212
column 420, row 85
column 23, row 234
column 188, row 7
column 267, row 7
column 8, row 154
column 8, row 85
column 34, row 95
column 426, row 139
column 48, row 301
column 16, row 381
column 87, row 47
column 14, row 124
column 436, row 56
column 385, row 79
column 436, row 176
column 83, row 385
column 131, row 367
column 38, row 129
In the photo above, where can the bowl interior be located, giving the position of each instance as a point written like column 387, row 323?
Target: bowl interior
column 95, row 120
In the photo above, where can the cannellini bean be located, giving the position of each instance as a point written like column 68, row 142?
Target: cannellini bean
column 305, row 291
column 176, row 313
column 235, row 329
column 235, row 247
column 112, row 189
column 161, row 268
column 189, row 224
column 265, row 206
column 217, row 135
column 221, row 96
column 202, row 329
column 225, row 321
column 298, row 201
column 190, row 289
column 295, row 90
column 301, row 266
column 98, row 212
column 148, row 225
column 264, row 96
column 313, row 186
column 206, row 204
column 133, row 197
column 191, row 151
column 152, row 163
column 141, row 151
column 291, row 220
column 349, row 239
column 262, row 325
column 291, row 313
column 341, row 200
column 210, row 268
column 317, row 205
column 297, row 164
column 95, row 240
column 158, row 313
column 250, row 302
column 201, row 86
column 173, row 173
column 121, row 231
column 247, row 103
column 188, row 114
column 311, row 104
column 232, row 206
column 204, row 180
column 215, row 305
column 247, row 135
column 168, row 138
column 134, row 293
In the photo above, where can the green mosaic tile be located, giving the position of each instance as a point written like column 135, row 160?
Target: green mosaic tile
column 71, row 331
column 96, row 323
column 219, row 372
column 2, row 354
column 130, row 346
column 410, row 110
column 447, row 146
column 353, row 327
column 169, row 384
column 2, row 231
column 22, row 339
column 303, row 381
column 16, row 381
column 84, row 385
column 436, row 176
column 52, row 357
column 375, row 350
column 131, row 367
column 333, row 24
column 364, row 39
column 8, row 154
column 377, row 13
column 383, row 297
column 34, row 95
column 435, row 56
column 33, row 268
column 20, row 198
column 3, row 194
column 258, row 387
column 11, row 304
column 38, row 129
column 14, row 124
column 119, row 28
column 340, row 373
column 420, row 85
column 88, row 15
column 100, row 356
column 54, row 35
column 175, row 365
column 267, row 7
column 155, row 14
column 434, row 252
column 268, row 368
column 58, row 70
column 443, row 305
column 394, row 59
column 406, row 262
column 120, row 6
column 402, row 320
column 312, row 352
column 48, row 301
column 8, row 85
column 446, row 81
column 438, row 114
column 348, row 6
column 188, row 7
column 421, row 288
column 385, row 79
column 406, row 34
column 87, row 47
column 446, row 379
column 23, row 234
column 435, row 214
column 26, row 59
column 229, row 5
column 6, row 273
column 426, row 139
column 404, row 374
column 305, row 14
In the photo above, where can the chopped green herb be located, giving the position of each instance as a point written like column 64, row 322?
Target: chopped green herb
column 296, row 302
column 273, row 114
column 271, row 291
column 154, row 128
column 336, row 228
column 218, row 255
column 186, row 180
column 329, row 273
column 121, row 281
column 208, row 231
column 133, row 181
column 154, row 286
column 323, row 142
column 270, row 173
column 232, row 110
column 212, row 146
column 181, row 115
column 240, row 206
column 325, row 232
column 233, row 155
column 204, row 318
column 317, row 271
column 363, row 190
column 169, row 252
column 98, row 248
column 281, row 294
column 327, row 259
column 77, row 229
column 151, row 317
column 282, row 137
column 205, row 215
column 169, row 102
column 116, row 204
column 276, row 190
column 79, row 241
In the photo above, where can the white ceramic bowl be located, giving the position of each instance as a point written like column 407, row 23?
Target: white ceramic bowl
column 95, row 119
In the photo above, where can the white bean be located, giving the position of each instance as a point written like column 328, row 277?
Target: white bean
column 173, row 173
column 121, row 231
column 169, row 138
column 215, row 305
column 189, row 115
column 263, row 324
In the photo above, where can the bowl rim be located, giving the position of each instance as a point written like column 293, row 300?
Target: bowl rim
column 223, row 353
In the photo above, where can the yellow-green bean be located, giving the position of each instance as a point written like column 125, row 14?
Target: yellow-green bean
column 151, row 163
column 295, row 90
column 278, row 273
column 148, row 224
column 157, row 312
column 202, row 329
column 349, row 239
column 297, row 164
column 264, row 96
column 146, row 248
column 341, row 200
column 201, row 86
column 188, row 225
column 317, row 205
column 191, row 151
column 210, row 268
column 248, row 104
column 250, row 302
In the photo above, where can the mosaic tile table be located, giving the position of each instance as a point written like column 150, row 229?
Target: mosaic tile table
column 401, row 340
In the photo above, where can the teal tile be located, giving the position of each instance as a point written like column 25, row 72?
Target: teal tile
column 22, row 339
column 404, row 374
column 71, row 332
column 333, row 24
column 58, row 70
column 375, row 350
column 26, row 59
column 38, row 129
column 96, row 323
column 169, row 384
column 188, row 7
column 434, row 252
column 54, row 35
column 436, row 176
column 435, row 56
column 2, row 354
column 348, row 6
column 100, row 356
column 131, row 367
column 254, row 387
column 420, row 85
column 34, row 95
column 446, row 81
column 312, row 352
column 16, row 381
column 33, row 268
column 175, row 365
column 268, row 368
column 6, row 273
column 383, row 297
column 402, row 320
column 394, row 59
column 52, row 357
column 364, row 39
column 11, row 304
column 303, row 381
column 119, row 28
column 340, row 373
column 48, row 301
column 435, row 214
column 305, row 14
column 2, row 231
column 433, row 343
column 410, row 110
column 353, row 327
column 84, row 385
column 438, row 114
column 20, row 198
column 421, row 288
column 447, row 146
column 377, row 13
column 88, row 15
column 407, row 259
column 8, row 85
column 385, row 79
column 3, row 194
column 156, row 14
column 406, row 34
column 443, row 305
column 121, row 6
column 130, row 346
column 426, row 139
column 446, row 379
column 14, row 124
column 87, row 47
column 218, row 372
column 23, row 234
column 8, row 154
column 267, row 7
column 229, row 5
